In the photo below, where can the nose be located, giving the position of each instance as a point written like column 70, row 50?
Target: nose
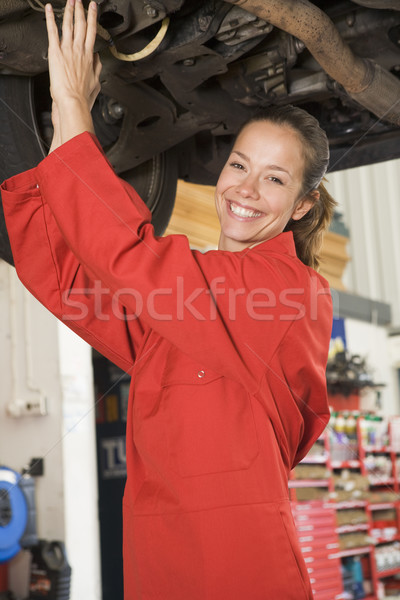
column 248, row 188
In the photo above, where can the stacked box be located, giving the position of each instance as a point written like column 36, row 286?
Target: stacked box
column 319, row 543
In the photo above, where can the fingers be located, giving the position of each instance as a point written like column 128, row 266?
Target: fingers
column 51, row 26
column 75, row 29
column 91, row 27
column 68, row 23
column 80, row 24
column 73, row 68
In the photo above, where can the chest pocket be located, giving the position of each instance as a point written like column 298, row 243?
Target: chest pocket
column 209, row 421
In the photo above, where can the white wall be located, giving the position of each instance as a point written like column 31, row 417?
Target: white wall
column 40, row 357
column 371, row 341
column 79, row 464
column 369, row 199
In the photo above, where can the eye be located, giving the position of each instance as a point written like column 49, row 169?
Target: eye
column 275, row 180
column 236, row 165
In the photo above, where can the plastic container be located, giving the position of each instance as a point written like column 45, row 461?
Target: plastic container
column 340, row 423
column 50, row 576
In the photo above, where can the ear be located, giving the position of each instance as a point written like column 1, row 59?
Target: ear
column 304, row 205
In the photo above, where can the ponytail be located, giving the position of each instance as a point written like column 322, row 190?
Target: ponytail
column 308, row 231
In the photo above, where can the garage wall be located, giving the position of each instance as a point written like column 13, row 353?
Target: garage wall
column 29, row 368
column 40, row 357
column 370, row 341
column 369, row 199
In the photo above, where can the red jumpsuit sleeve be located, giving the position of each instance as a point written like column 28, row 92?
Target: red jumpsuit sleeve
column 52, row 273
column 199, row 302
column 294, row 389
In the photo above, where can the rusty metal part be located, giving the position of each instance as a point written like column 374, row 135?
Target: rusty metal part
column 18, row 47
column 362, row 79
column 385, row 4
column 239, row 25
column 11, row 8
column 382, row 95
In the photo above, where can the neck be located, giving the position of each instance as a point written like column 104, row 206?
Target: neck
column 229, row 245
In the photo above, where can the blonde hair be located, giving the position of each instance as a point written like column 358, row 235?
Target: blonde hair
column 307, row 231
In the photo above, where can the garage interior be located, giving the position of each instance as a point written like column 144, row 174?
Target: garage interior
column 76, row 420
column 63, row 406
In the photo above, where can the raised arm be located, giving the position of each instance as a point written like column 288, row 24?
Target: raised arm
column 53, row 274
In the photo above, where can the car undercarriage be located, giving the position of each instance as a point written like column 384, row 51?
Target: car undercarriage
column 180, row 76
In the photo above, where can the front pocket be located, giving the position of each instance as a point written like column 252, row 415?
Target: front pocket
column 209, row 421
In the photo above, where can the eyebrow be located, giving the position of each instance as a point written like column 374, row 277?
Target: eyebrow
column 274, row 167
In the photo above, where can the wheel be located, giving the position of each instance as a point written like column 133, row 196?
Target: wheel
column 25, row 135
column 155, row 181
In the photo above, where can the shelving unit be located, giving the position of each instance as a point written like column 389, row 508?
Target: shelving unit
column 362, row 548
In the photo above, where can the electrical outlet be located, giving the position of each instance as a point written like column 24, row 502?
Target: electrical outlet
column 36, row 407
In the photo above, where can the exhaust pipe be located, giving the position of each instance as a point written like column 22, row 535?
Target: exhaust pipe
column 385, row 4
column 365, row 81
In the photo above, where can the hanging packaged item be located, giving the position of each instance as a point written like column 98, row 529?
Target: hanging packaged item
column 50, row 577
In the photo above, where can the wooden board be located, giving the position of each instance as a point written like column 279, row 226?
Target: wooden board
column 195, row 216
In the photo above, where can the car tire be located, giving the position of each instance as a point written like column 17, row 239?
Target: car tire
column 25, row 131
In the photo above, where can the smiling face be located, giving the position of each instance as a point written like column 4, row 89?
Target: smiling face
column 259, row 188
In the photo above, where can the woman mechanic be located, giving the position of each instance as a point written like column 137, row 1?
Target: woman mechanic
column 227, row 349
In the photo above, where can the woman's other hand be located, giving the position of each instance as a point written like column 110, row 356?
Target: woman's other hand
column 74, row 68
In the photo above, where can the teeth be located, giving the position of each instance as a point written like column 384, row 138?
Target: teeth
column 243, row 212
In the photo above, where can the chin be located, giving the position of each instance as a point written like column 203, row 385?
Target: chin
column 238, row 233
column 236, row 242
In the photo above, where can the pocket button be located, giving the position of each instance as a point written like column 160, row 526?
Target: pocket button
column 201, row 374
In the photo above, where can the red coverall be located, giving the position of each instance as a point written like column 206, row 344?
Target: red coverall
column 227, row 353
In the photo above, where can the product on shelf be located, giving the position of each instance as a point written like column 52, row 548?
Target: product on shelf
column 383, row 495
column 317, row 450
column 389, row 589
column 384, row 533
column 384, row 524
column 310, row 493
column 304, row 471
column 387, row 557
column 351, row 516
column 374, row 431
column 395, row 434
column 356, row 539
column 350, row 485
column 353, row 577
column 343, row 437
column 379, row 467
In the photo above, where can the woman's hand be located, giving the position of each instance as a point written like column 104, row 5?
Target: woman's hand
column 74, row 69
